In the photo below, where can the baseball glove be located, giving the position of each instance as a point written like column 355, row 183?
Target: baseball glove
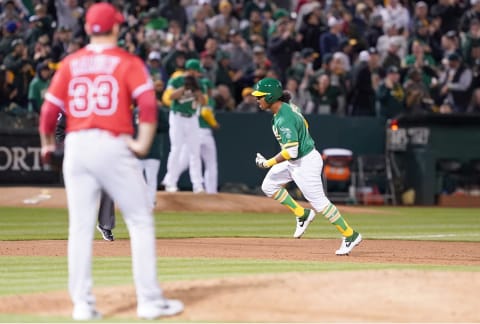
column 191, row 83
column 54, row 158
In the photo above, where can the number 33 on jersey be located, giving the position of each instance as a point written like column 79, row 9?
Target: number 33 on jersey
column 97, row 94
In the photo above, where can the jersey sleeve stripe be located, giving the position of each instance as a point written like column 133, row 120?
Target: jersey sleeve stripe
column 54, row 100
column 141, row 89
column 291, row 144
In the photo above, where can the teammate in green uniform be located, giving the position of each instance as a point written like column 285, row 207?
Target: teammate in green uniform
column 185, row 96
column 297, row 161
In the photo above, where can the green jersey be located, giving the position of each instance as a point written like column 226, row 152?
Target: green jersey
column 184, row 104
column 36, row 92
column 290, row 128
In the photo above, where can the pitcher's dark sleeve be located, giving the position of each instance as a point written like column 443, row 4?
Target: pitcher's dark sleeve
column 60, row 129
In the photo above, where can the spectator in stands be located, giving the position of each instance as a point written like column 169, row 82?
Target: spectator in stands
column 395, row 13
column 69, row 15
column 374, row 30
column 391, row 35
column 362, row 99
column 375, row 67
column 155, row 68
column 298, row 69
column 392, row 58
column 390, row 94
column 456, row 83
column 471, row 40
column 200, row 33
column 175, row 60
column 260, row 59
column 7, row 90
column 330, row 40
column 211, row 46
column 474, row 106
column 210, row 66
column 42, row 50
column 173, row 10
column 198, row 10
column 225, row 72
column 239, row 51
column 298, row 90
column 323, row 96
column 9, row 34
column 423, row 62
column 223, row 22
column 255, row 31
column 417, row 95
column 42, row 21
column 311, row 28
column 449, row 12
column 304, row 7
column 450, row 43
column 223, row 98
column 11, row 13
column 420, row 16
column 249, row 103
column 282, row 44
column 38, row 87
column 475, row 64
column 19, row 63
column 264, row 7
column 469, row 15
column 422, row 35
column 62, row 37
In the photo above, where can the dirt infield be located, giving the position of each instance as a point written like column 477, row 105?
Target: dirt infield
column 362, row 296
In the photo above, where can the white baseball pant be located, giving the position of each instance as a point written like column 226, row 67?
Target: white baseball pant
column 306, row 172
column 150, row 170
column 184, row 131
column 208, row 154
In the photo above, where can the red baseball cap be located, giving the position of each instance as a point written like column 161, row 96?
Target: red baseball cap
column 102, row 16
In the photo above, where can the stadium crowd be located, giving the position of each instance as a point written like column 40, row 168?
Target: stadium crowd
column 343, row 57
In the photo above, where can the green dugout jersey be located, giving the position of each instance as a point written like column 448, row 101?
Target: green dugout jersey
column 290, row 128
column 37, row 90
column 184, row 104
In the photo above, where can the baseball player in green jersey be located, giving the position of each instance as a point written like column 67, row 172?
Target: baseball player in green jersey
column 185, row 95
column 297, row 161
column 208, row 148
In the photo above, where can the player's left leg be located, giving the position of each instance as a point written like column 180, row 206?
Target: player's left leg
column 192, row 144
column 150, row 169
column 308, row 178
column 273, row 186
column 208, row 153
column 129, row 191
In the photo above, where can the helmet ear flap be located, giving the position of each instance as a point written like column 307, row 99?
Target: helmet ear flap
column 269, row 98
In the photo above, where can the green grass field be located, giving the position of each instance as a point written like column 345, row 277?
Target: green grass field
column 439, row 224
column 20, row 275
